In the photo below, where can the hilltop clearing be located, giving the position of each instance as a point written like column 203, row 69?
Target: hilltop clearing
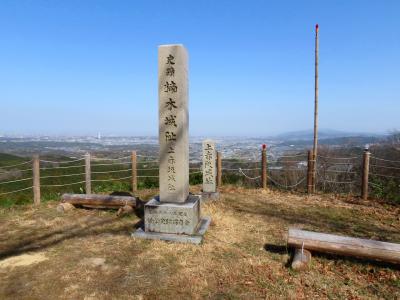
column 90, row 254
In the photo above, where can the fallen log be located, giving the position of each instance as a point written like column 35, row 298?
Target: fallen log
column 98, row 201
column 301, row 259
column 335, row 244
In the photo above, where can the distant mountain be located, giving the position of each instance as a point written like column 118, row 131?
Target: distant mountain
column 350, row 141
column 322, row 134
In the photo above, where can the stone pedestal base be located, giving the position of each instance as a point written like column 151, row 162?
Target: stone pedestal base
column 205, row 196
column 179, row 222
column 196, row 238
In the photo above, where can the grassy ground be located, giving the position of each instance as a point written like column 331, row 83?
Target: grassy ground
column 89, row 254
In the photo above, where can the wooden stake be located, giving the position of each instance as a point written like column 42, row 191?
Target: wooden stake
column 125, row 210
column 315, row 146
column 264, row 166
column 36, row 179
column 134, row 171
column 310, row 170
column 63, row 207
column 365, row 174
column 219, row 169
column 88, row 180
column 301, row 259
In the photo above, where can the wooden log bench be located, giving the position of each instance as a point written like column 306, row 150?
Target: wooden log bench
column 342, row 245
column 125, row 204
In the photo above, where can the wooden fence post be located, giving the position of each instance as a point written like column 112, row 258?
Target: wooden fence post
column 36, row 179
column 365, row 174
column 219, row 169
column 88, row 180
column 264, row 166
column 134, row 171
column 310, row 170
column 314, row 171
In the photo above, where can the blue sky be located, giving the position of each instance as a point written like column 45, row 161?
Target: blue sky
column 79, row 67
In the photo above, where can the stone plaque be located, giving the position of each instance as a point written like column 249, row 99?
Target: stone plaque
column 209, row 166
column 173, row 123
column 173, row 218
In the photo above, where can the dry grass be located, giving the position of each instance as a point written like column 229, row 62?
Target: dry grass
column 90, row 254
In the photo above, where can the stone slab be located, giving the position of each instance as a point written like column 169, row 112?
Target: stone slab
column 173, row 97
column 177, row 218
column 207, row 196
column 197, row 238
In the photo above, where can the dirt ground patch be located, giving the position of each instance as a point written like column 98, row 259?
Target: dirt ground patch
column 22, row 260
column 89, row 254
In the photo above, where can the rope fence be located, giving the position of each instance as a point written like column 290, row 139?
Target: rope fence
column 66, row 167
column 16, row 191
column 61, row 162
column 17, row 165
column 336, row 174
column 111, row 164
column 61, row 185
column 387, row 160
column 15, row 170
column 287, row 186
column 18, row 180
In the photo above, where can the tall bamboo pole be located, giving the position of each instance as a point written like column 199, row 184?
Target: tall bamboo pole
column 315, row 147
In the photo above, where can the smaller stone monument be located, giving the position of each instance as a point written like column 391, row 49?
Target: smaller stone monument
column 209, row 171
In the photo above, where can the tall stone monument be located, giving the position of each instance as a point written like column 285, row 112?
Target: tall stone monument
column 174, row 215
column 173, row 123
column 209, row 171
